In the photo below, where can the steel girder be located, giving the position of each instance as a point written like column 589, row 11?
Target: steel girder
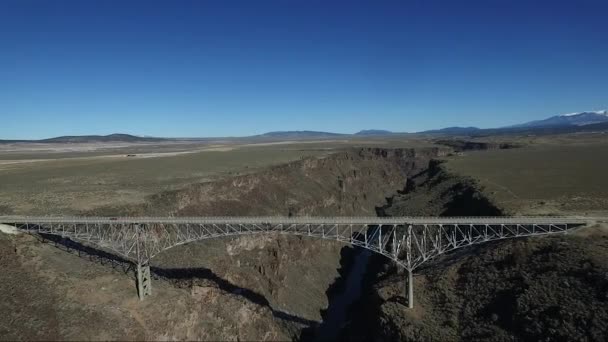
column 408, row 241
column 409, row 244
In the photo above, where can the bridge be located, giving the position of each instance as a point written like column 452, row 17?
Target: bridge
column 408, row 241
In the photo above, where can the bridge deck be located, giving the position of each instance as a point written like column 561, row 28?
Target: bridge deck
column 371, row 220
column 408, row 241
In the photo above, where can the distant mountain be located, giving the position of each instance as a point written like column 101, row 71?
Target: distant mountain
column 299, row 134
column 546, row 130
column 374, row 132
column 453, row 130
column 573, row 119
column 594, row 121
column 99, row 138
column 558, row 124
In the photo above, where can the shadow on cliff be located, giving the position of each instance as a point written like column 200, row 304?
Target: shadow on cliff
column 466, row 200
column 175, row 275
column 90, row 253
column 347, row 255
column 432, row 192
column 171, row 275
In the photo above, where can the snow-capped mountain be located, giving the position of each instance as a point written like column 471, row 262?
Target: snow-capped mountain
column 600, row 112
column 572, row 119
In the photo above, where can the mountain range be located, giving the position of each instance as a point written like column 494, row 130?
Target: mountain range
column 573, row 119
column 299, row 134
column 374, row 132
column 564, row 123
column 100, row 138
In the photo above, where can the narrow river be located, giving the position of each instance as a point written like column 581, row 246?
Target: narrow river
column 337, row 313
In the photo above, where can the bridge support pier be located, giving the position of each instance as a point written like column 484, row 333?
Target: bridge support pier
column 414, row 239
column 409, row 289
column 144, row 281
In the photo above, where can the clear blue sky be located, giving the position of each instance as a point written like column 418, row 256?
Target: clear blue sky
column 228, row 68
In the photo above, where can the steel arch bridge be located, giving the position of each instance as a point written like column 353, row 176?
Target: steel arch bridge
column 408, row 241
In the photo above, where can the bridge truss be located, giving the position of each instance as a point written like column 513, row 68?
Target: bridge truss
column 408, row 241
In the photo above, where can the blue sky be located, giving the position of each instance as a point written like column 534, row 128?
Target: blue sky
column 230, row 68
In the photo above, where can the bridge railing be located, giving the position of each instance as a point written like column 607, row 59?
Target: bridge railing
column 306, row 219
column 409, row 241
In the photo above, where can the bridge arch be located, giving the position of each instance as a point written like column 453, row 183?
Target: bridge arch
column 408, row 241
column 360, row 244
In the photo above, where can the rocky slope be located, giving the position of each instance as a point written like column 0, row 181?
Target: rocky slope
column 49, row 294
column 535, row 289
column 262, row 287
column 271, row 287
column 351, row 182
column 291, row 273
column 467, row 145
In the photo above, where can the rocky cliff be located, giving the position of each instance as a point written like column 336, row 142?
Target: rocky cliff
column 552, row 288
column 250, row 287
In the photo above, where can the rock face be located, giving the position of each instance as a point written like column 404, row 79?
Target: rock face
column 345, row 183
column 291, row 273
column 48, row 294
column 436, row 192
column 541, row 289
column 535, row 289
column 466, row 145
column 246, row 288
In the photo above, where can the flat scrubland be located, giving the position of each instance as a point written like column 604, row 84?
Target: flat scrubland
column 513, row 290
column 67, row 179
column 550, row 175
column 67, row 186
column 546, row 288
column 558, row 174
column 246, row 288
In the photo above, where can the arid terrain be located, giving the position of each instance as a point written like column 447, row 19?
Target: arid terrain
column 550, row 178
column 68, row 178
column 545, row 288
column 276, row 287
column 304, row 170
